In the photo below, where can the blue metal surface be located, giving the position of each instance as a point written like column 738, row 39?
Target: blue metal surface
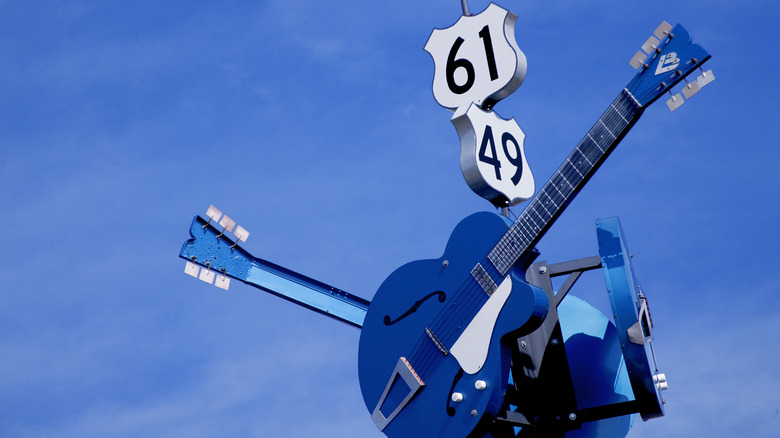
column 209, row 248
column 385, row 338
column 648, row 85
column 627, row 306
column 598, row 371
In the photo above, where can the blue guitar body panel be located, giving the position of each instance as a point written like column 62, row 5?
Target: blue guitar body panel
column 424, row 295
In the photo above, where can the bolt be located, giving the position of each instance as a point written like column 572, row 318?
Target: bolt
column 554, row 341
column 474, row 412
column 445, row 263
column 543, row 269
column 523, row 344
column 572, row 416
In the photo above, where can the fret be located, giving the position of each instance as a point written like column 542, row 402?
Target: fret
column 575, row 168
column 578, row 157
column 554, row 207
column 602, row 134
column 591, row 147
column 618, row 113
column 539, row 211
column 560, row 194
column 555, row 186
column 545, row 208
column 607, row 128
column 565, row 179
column 592, row 155
column 550, row 198
column 566, row 182
column 534, row 224
column 595, row 142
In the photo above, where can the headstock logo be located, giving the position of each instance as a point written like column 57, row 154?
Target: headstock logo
column 668, row 62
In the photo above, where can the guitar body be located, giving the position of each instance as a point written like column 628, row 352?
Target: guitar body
column 420, row 297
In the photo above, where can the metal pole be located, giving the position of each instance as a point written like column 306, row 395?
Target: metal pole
column 465, row 5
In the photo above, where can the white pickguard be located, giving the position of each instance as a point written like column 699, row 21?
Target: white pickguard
column 471, row 348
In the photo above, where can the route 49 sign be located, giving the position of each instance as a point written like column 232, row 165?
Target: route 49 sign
column 476, row 59
column 492, row 157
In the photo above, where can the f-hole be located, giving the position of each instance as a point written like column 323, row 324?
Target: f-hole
column 451, row 409
column 417, row 304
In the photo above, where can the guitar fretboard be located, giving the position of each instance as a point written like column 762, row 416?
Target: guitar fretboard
column 533, row 222
column 566, row 182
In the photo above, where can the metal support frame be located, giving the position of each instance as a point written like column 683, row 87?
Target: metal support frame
column 542, row 400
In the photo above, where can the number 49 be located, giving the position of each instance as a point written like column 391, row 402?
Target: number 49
column 488, row 155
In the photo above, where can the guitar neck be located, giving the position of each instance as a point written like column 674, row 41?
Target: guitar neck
column 566, row 182
column 213, row 250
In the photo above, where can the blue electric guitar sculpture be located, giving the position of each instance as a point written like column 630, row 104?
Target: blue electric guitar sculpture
column 434, row 355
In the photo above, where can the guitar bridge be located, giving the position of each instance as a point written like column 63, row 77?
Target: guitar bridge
column 403, row 385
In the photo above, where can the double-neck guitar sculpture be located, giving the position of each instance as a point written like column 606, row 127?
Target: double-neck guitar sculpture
column 436, row 341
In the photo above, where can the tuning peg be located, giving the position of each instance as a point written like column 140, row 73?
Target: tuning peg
column 640, row 57
column 638, row 60
column 651, row 44
column 222, row 282
column 675, row 102
column 690, row 89
column 191, row 269
column 213, row 213
column 705, row 78
column 663, row 30
column 207, row 276
column 241, row 234
column 226, row 223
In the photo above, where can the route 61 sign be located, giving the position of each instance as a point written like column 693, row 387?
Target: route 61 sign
column 492, row 157
column 476, row 59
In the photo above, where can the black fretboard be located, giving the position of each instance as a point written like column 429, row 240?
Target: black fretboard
column 566, row 182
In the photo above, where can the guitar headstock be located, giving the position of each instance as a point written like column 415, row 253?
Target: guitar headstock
column 212, row 253
column 667, row 58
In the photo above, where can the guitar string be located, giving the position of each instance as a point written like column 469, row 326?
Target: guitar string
column 427, row 351
column 585, row 152
column 473, row 300
column 586, row 149
column 446, row 320
column 568, row 173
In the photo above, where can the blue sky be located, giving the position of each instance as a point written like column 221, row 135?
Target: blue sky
column 313, row 125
